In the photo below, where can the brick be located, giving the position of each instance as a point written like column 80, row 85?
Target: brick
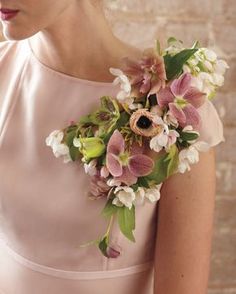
column 226, row 178
column 225, row 9
column 166, row 8
column 188, row 31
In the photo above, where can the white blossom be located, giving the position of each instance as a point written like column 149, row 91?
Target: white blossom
column 124, row 196
column 139, row 196
column 54, row 140
column 153, row 194
column 113, row 182
column 124, row 96
column 208, row 71
column 169, row 119
column 90, row 168
column 164, row 139
column 190, row 155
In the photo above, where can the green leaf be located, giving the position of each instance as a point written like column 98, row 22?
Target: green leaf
column 74, row 152
column 172, row 159
column 188, row 136
column 103, row 244
column 109, row 209
column 174, row 64
column 159, row 173
column 126, row 220
column 143, row 182
column 69, row 136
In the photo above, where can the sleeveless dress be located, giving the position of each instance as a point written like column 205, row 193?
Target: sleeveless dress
column 45, row 213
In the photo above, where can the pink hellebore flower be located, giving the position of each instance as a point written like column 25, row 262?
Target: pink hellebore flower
column 182, row 100
column 124, row 166
column 146, row 75
column 98, row 187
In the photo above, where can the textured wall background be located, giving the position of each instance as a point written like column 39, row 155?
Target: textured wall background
column 213, row 23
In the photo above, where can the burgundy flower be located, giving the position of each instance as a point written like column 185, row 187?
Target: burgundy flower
column 98, row 187
column 147, row 75
column 182, row 100
column 123, row 165
column 112, row 252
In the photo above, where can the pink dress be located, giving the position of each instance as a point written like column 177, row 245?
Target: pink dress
column 45, row 213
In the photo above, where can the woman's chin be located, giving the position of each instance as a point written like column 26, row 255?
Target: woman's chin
column 10, row 33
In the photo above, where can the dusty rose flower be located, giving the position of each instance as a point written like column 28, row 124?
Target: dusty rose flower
column 147, row 75
column 98, row 187
column 142, row 122
column 111, row 252
column 123, row 165
column 182, row 100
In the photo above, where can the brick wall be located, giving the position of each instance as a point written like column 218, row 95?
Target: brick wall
column 213, row 23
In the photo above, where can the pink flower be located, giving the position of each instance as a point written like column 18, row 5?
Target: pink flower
column 147, row 75
column 112, row 252
column 98, row 187
column 182, row 100
column 123, row 165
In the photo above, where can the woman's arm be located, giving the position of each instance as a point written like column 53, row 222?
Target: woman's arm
column 185, row 225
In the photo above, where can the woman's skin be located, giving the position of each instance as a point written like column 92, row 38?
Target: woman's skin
column 73, row 37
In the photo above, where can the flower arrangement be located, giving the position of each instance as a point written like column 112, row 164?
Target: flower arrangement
column 155, row 112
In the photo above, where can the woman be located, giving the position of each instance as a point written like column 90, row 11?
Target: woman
column 53, row 68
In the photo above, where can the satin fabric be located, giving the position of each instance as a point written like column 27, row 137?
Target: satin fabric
column 45, row 213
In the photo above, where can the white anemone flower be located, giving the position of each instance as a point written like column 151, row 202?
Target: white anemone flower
column 59, row 149
column 124, row 96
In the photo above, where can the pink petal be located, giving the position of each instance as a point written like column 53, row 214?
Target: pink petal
column 146, row 84
column 164, row 97
column 140, row 165
column 192, row 116
column 195, row 97
column 113, row 164
column 178, row 113
column 180, row 86
column 135, row 79
column 136, row 149
column 156, row 85
column 116, row 144
column 127, row 177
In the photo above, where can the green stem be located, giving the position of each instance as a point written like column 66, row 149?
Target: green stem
column 109, row 227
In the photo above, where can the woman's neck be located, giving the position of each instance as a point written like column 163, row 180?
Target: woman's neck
column 80, row 43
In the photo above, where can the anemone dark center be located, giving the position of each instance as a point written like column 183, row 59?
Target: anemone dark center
column 144, row 122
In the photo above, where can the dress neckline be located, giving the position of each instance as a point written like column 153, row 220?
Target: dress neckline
column 66, row 76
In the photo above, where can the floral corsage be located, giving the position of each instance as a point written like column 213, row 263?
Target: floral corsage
column 155, row 112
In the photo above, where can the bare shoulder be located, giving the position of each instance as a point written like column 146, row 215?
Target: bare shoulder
column 185, row 223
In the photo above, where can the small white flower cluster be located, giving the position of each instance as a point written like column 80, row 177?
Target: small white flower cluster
column 124, row 96
column 59, row 149
column 190, row 155
column 165, row 138
column 208, row 71
column 127, row 196
column 90, row 168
